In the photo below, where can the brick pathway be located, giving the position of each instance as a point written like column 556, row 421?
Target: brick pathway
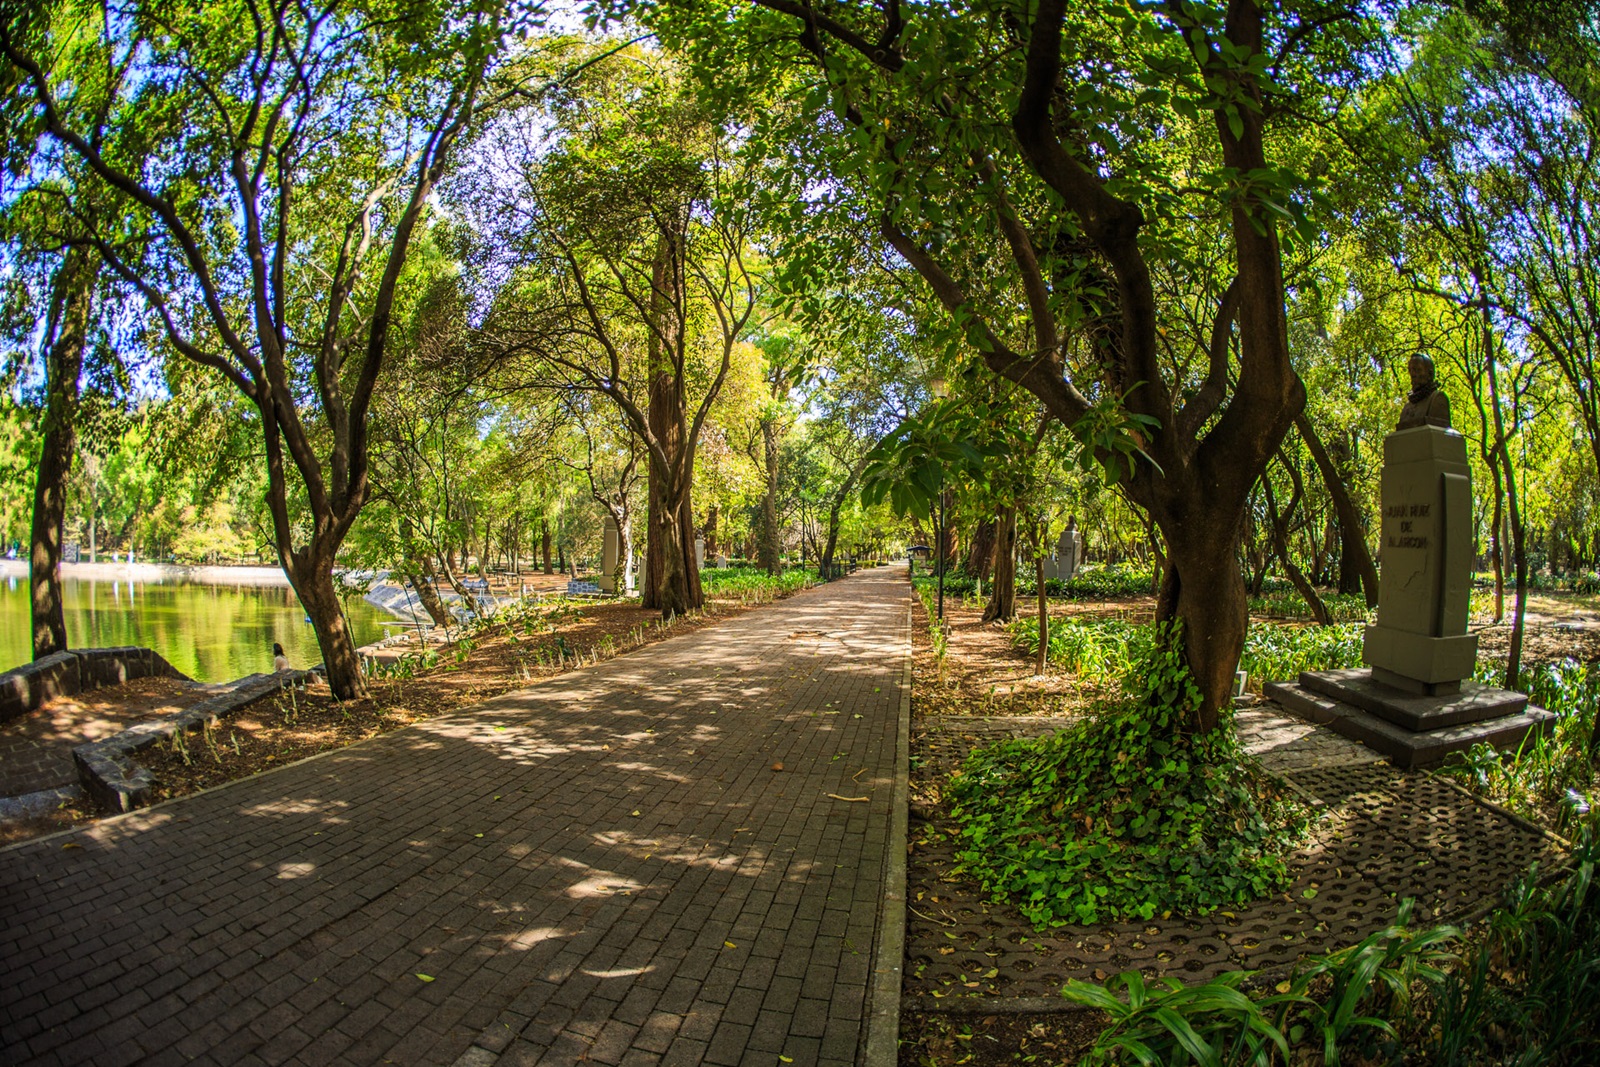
column 603, row 867
column 36, row 750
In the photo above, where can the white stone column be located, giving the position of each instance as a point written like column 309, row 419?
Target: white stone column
column 611, row 551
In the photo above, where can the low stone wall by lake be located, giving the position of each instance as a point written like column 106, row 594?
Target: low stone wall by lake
column 25, row 688
column 155, row 572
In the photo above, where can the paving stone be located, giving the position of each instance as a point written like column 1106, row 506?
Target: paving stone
column 567, row 897
column 610, row 907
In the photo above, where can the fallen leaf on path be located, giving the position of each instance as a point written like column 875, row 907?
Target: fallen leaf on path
column 71, row 844
column 777, row 766
column 425, row 977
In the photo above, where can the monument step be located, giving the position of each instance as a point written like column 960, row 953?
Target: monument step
column 1408, row 748
column 1474, row 703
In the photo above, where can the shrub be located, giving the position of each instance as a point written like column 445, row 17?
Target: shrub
column 1123, row 814
column 753, row 583
column 1537, row 779
column 1342, row 607
column 1107, row 652
column 1274, row 652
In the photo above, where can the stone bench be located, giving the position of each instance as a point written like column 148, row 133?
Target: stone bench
column 107, row 770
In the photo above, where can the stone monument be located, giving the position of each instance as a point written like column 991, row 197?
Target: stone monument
column 1415, row 701
column 699, row 553
column 610, row 553
column 1068, row 549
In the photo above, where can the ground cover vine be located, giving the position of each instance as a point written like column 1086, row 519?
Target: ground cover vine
column 1123, row 814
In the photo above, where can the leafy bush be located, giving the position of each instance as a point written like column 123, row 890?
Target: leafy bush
column 1342, row 607
column 1101, row 652
column 753, row 583
column 1275, row 652
column 1104, row 652
column 1123, row 814
column 1093, row 581
column 1329, row 1004
column 1212, row 1022
column 1537, row 779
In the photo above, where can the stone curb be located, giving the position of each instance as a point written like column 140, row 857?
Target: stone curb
column 882, row 1040
column 117, row 784
column 32, row 805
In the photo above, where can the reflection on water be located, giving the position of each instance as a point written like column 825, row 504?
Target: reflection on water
column 214, row 633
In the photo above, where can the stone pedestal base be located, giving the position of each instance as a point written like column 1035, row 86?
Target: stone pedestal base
column 1413, row 730
column 1414, row 662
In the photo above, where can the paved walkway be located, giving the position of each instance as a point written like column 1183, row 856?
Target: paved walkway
column 36, row 749
column 607, row 866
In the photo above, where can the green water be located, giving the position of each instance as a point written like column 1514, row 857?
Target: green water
column 213, row 633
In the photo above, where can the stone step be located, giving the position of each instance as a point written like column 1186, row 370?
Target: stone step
column 1474, row 703
column 1408, row 748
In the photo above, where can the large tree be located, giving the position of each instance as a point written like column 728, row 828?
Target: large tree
column 616, row 244
column 1060, row 179
column 277, row 162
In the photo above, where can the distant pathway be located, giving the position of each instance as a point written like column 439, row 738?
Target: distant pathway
column 604, row 867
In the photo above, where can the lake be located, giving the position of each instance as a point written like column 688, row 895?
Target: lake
column 212, row 633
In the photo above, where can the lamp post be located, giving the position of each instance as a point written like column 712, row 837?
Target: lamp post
column 940, row 389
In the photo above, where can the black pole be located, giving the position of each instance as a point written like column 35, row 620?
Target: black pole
column 943, row 555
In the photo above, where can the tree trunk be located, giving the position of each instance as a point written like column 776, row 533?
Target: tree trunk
column 835, row 507
column 1280, row 541
column 770, row 546
column 1205, row 589
column 671, row 546
column 980, row 553
column 1497, row 538
column 1003, row 598
column 1352, row 534
column 711, row 532
column 544, row 543
column 1519, row 553
column 461, row 590
column 420, row 575
column 825, row 564
column 310, row 571
column 71, row 297
column 671, row 580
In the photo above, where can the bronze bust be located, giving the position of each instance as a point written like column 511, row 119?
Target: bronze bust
column 1426, row 405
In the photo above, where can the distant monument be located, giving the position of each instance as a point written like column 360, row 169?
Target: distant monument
column 610, row 557
column 1064, row 563
column 1415, row 701
column 1068, row 549
column 699, row 553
